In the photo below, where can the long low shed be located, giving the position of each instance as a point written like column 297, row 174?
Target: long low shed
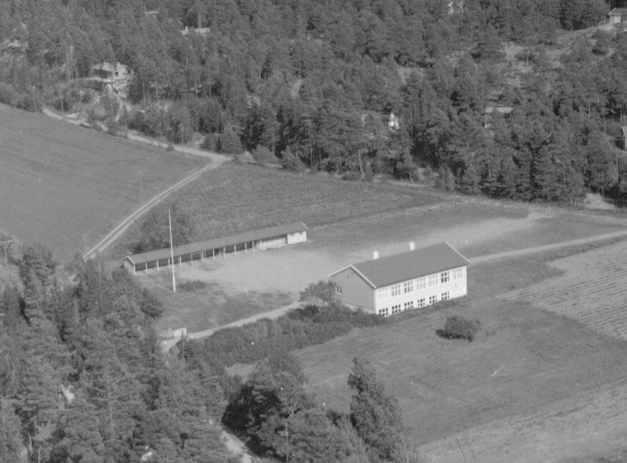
column 265, row 238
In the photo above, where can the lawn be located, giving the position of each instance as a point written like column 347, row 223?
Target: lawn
column 66, row 186
column 524, row 358
column 207, row 305
column 239, row 197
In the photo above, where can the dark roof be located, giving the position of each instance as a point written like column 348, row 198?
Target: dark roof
column 269, row 232
column 392, row 269
column 619, row 11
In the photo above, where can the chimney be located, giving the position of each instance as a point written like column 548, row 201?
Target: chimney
column 375, row 255
column 412, row 246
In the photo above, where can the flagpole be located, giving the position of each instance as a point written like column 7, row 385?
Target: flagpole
column 171, row 252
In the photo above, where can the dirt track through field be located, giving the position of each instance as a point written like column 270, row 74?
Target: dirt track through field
column 548, row 247
column 120, row 228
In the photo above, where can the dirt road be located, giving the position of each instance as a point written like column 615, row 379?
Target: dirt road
column 548, row 247
column 215, row 160
column 120, row 228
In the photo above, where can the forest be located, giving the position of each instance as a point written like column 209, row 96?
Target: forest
column 488, row 100
column 484, row 102
column 83, row 379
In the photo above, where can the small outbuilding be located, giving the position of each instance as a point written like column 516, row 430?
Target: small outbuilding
column 399, row 282
column 618, row 16
column 261, row 239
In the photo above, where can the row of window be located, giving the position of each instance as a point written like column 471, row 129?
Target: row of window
column 420, row 303
column 424, row 282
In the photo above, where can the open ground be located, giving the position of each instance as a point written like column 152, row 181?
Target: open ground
column 535, row 386
column 531, row 372
column 240, row 286
column 66, row 186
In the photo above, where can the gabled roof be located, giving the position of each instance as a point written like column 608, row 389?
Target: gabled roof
column 388, row 270
column 262, row 233
column 618, row 11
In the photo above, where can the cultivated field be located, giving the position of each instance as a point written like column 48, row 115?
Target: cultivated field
column 66, row 186
column 239, row 197
column 592, row 290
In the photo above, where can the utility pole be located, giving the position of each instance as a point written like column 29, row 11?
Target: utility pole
column 171, row 252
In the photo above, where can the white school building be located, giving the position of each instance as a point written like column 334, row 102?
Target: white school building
column 411, row 280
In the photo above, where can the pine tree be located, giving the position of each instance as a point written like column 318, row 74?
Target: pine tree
column 11, row 447
column 469, row 182
column 375, row 416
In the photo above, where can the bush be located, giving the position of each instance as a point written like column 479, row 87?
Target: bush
column 192, row 285
column 324, row 291
column 8, row 95
column 291, row 161
column 297, row 329
column 210, row 142
column 229, row 142
column 457, row 327
column 264, row 156
column 180, row 125
column 602, row 45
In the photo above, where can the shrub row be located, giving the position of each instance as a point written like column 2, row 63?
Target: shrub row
column 299, row 328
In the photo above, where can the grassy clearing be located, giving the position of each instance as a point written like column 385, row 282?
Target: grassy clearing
column 523, row 359
column 207, row 307
column 243, row 197
column 65, row 186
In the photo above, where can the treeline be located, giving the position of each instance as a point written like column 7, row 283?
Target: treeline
column 277, row 418
column 82, row 378
column 313, row 83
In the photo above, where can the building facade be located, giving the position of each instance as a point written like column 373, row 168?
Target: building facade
column 412, row 280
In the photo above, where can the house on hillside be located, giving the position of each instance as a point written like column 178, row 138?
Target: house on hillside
column 410, row 280
column 115, row 75
column 262, row 239
column 491, row 110
column 618, row 16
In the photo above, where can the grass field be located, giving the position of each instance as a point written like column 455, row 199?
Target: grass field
column 524, row 359
column 66, row 186
column 239, row 197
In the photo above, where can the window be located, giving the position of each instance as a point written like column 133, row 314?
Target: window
column 445, row 296
column 383, row 312
column 338, row 289
column 408, row 286
column 396, row 290
column 421, row 283
column 444, row 277
column 458, row 273
column 433, row 280
column 408, row 305
column 433, row 300
column 421, row 302
column 396, row 308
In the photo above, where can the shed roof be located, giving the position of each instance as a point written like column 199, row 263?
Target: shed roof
column 392, row 269
column 252, row 235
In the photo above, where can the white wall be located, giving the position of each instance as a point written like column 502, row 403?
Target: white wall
column 456, row 287
column 298, row 237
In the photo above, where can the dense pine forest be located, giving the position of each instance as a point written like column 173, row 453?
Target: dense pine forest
column 481, row 95
column 83, row 379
